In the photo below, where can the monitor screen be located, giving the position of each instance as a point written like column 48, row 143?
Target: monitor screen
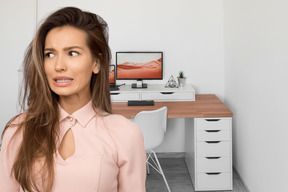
column 112, row 74
column 139, row 65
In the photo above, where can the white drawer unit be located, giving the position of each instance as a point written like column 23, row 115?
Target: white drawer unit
column 213, row 123
column 122, row 96
column 213, row 135
column 213, row 164
column 213, row 148
column 168, row 96
column 213, row 181
column 209, row 153
column 153, row 92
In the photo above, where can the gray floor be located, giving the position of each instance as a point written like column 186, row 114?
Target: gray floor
column 178, row 178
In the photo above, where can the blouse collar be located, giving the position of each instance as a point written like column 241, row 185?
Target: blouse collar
column 82, row 115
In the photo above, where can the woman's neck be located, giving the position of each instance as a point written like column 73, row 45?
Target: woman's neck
column 70, row 105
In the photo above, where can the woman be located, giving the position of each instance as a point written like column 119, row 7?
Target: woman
column 67, row 139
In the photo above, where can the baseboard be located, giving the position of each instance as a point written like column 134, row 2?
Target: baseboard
column 241, row 180
column 171, row 155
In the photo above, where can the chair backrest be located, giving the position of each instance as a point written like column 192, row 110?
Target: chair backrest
column 153, row 126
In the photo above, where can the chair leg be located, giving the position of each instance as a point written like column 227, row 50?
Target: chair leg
column 157, row 166
column 147, row 167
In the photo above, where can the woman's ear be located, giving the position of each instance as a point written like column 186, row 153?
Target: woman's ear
column 96, row 66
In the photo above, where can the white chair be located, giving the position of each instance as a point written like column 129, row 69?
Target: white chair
column 153, row 126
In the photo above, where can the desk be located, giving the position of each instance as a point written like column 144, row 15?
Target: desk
column 203, row 106
column 208, row 138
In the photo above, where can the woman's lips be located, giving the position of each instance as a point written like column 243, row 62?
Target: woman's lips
column 62, row 81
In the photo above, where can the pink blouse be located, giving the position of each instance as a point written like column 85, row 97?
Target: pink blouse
column 109, row 155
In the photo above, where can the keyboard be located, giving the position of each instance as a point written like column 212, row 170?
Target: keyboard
column 140, row 102
column 114, row 88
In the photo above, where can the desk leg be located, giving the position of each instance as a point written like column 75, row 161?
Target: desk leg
column 190, row 147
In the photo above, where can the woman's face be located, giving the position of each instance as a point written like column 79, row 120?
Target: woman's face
column 68, row 63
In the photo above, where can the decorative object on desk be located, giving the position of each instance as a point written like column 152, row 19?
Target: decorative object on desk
column 181, row 79
column 171, row 83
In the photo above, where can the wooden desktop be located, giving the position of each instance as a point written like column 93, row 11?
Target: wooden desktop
column 203, row 106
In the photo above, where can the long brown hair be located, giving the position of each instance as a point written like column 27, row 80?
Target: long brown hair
column 40, row 126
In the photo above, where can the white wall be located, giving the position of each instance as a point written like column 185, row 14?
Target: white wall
column 256, row 47
column 17, row 21
column 189, row 32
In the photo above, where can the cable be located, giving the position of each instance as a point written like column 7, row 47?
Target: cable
column 121, row 85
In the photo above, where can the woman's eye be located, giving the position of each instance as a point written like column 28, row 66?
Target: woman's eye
column 73, row 53
column 49, row 55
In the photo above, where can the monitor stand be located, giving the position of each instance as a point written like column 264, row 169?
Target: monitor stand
column 139, row 85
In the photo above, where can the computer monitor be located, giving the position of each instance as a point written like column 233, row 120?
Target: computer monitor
column 139, row 66
column 112, row 80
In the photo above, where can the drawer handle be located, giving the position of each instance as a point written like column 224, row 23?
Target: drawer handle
column 114, row 93
column 167, row 93
column 212, row 119
column 213, row 173
column 212, row 142
column 212, row 131
column 213, row 157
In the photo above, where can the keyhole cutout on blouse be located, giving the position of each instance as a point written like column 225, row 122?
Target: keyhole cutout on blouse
column 67, row 146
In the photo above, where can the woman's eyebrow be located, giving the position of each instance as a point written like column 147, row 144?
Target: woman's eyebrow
column 72, row 47
column 65, row 49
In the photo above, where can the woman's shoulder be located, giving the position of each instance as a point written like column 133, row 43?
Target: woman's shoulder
column 115, row 120
column 127, row 136
column 120, row 125
column 12, row 129
column 15, row 121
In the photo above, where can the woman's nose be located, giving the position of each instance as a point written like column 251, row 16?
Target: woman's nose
column 60, row 64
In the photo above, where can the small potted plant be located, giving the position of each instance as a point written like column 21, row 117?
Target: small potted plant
column 181, row 79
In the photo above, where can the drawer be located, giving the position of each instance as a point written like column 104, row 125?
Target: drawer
column 214, row 181
column 124, row 97
column 213, row 123
column 214, row 135
column 169, row 96
column 214, row 164
column 213, row 148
